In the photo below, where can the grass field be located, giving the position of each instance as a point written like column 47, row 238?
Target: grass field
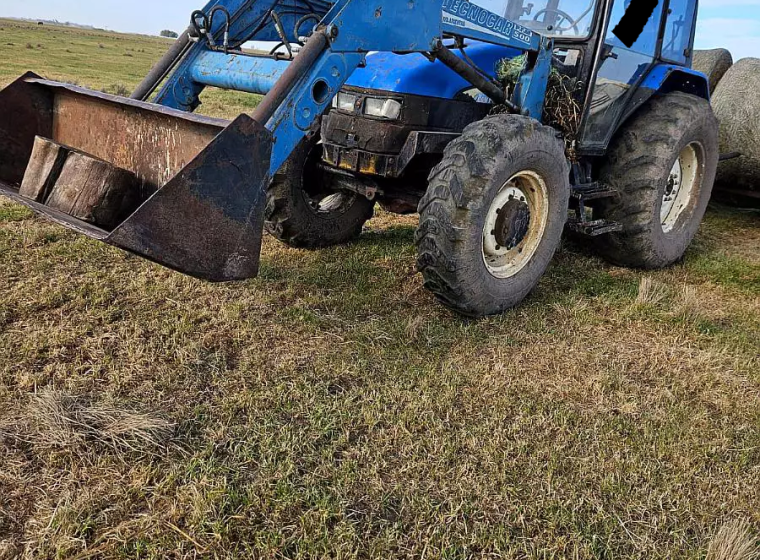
column 110, row 62
column 331, row 409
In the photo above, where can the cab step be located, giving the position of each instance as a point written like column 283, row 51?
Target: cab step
column 583, row 193
column 595, row 228
column 592, row 191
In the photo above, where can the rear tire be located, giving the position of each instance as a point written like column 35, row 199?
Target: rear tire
column 493, row 214
column 303, row 212
column 663, row 164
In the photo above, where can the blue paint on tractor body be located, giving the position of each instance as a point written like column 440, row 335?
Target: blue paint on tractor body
column 680, row 78
column 462, row 17
column 413, row 74
column 237, row 72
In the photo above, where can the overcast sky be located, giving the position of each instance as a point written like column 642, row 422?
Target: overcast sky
column 733, row 24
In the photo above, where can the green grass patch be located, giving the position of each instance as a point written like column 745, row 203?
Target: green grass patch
column 14, row 213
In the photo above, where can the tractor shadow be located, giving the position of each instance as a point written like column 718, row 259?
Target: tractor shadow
column 376, row 275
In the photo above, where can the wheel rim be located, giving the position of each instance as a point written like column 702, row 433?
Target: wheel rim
column 684, row 181
column 515, row 224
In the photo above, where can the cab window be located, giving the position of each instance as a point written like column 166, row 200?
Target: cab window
column 554, row 18
column 678, row 26
column 647, row 41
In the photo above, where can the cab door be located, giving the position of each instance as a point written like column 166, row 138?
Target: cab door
column 621, row 68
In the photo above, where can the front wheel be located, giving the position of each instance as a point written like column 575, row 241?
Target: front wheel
column 493, row 215
column 304, row 211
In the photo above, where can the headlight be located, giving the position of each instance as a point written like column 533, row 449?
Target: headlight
column 344, row 102
column 383, row 108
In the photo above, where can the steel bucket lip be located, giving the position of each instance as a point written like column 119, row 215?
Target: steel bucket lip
column 32, row 78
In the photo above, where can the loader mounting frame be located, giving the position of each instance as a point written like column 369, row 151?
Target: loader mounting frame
column 205, row 180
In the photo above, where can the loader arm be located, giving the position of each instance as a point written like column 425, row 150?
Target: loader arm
column 299, row 91
column 205, row 181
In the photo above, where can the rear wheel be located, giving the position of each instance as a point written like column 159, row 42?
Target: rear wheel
column 493, row 215
column 304, row 211
column 663, row 164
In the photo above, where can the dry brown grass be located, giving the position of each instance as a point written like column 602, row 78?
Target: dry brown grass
column 690, row 306
column 333, row 409
column 734, row 541
column 55, row 421
column 651, row 292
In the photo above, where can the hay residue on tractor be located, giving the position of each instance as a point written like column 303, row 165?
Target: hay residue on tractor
column 561, row 107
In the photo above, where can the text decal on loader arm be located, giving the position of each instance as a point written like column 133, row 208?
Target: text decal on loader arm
column 464, row 14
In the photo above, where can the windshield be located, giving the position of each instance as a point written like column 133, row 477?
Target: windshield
column 551, row 18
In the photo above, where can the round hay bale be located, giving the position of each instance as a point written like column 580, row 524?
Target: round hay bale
column 713, row 63
column 737, row 106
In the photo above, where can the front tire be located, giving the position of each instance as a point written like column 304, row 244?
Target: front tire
column 303, row 212
column 493, row 214
column 663, row 163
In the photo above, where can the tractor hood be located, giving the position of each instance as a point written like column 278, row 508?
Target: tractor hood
column 415, row 75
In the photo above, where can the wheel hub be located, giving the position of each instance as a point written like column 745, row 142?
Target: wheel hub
column 515, row 224
column 684, row 182
column 674, row 181
column 512, row 223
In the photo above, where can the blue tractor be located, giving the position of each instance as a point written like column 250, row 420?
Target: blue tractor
column 399, row 103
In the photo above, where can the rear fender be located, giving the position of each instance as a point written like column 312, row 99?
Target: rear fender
column 667, row 78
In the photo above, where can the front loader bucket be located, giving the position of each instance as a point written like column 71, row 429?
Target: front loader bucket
column 202, row 181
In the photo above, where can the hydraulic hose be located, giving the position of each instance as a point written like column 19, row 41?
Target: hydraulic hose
column 471, row 75
column 227, row 24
